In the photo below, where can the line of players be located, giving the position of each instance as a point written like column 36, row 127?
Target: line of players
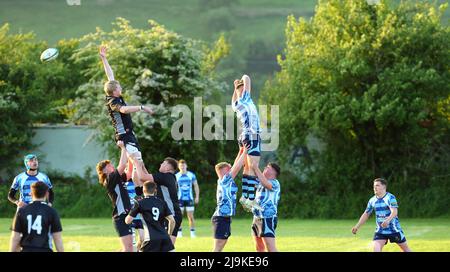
column 157, row 200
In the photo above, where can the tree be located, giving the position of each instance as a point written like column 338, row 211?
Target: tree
column 371, row 82
column 154, row 66
column 30, row 91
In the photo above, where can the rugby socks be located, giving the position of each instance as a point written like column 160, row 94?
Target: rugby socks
column 180, row 233
column 252, row 181
column 244, row 186
column 193, row 233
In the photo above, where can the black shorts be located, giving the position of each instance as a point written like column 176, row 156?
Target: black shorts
column 188, row 204
column 137, row 224
column 397, row 237
column 178, row 219
column 253, row 144
column 264, row 227
column 129, row 139
column 159, row 245
column 35, row 249
column 121, row 227
column 221, row 227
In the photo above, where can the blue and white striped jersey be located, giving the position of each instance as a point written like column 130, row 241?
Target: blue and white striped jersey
column 267, row 200
column 185, row 183
column 23, row 181
column 248, row 114
column 226, row 196
column 132, row 194
column 382, row 211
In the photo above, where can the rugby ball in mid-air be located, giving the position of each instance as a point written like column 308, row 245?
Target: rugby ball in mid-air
column 49, row 54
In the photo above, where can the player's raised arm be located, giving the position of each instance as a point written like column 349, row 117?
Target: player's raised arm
column 235, row 96
column 238, row 162
column 247, row 83
column 264, row 181
column 106, row 66
column 123, row 158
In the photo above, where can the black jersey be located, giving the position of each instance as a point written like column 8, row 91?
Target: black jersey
column 36, row 221
column 121, row 122
column 117, row 192
column 168, row 190
column 154, row 211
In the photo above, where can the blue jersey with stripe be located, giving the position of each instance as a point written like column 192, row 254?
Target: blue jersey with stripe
column 226, row 196
column 23, row 181
column 267, row 200
column 382, row 211
column 132, row 194
column 185, row 183
column 248, row 114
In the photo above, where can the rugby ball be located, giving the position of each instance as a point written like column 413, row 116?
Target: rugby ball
column 49, row 54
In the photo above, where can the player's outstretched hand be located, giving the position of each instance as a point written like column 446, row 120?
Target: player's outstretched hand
column 120, row 144
column 102, row 51
column 354, row 230
column 148, row 110
column 385, row 224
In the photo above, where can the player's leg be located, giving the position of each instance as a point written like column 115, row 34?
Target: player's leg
column 259, row 244
column 270, row 244
column 378, row 245
column 173, row 236
column 180, row 229
column 404, row 247
column 124, row 232
column 221, row 230
column 257, row 233
column 127, row 243
column 190, row 215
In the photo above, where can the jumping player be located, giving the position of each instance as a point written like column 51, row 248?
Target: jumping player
column 23, row 181
column 35, row 224
column 186, row 180
column 388, row 226
column 226, row 199
column 118, row 109
column 154, row 211
column 265, row 220
column 247, row 113
column 114, row 182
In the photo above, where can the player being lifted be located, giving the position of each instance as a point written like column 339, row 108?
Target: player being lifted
column 118, row 110
column 247, row 113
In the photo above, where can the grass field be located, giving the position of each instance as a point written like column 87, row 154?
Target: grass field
column 293, row 235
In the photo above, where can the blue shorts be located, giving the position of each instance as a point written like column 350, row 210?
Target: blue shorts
column 253, row 145
column 264, row 227
column 221, row 227
column 398, row 237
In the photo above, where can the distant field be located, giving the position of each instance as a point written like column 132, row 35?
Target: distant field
column 293, row 235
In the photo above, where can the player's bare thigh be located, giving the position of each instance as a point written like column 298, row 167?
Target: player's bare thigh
column 378, row 245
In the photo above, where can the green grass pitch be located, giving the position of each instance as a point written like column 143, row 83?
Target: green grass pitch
column 297, row 235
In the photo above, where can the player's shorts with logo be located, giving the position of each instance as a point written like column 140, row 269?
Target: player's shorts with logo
column 252, row 142
column 264, row 227
column 121, row 227
column 398, row 237
column 221, row 227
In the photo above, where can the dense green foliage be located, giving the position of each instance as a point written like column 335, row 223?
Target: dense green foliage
column 372, row 84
